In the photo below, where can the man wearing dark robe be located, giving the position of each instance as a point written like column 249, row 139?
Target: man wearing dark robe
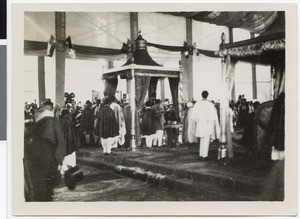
column 147, row 124
column 43, row 155
column 107, row 127
column 87, row 122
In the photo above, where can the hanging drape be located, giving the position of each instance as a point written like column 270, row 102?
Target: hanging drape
column 152, row 87
column 279, row 79
column 174, row 82
column 230, row 75
column 110, row 86
column 168, row 48
column 141, row 88
column 40, row 48
column 209, row 53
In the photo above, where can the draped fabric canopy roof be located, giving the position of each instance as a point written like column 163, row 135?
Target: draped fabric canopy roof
column 255, row 22
column 268, row 50
column 142, row 63
column 100, row 35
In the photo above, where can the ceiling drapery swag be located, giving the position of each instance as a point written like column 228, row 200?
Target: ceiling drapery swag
column 246, row 50
column 41, row 49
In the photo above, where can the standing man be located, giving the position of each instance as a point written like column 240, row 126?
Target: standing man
column 107, row 127
column 159, row 121
column 243, row 112
column 87, row 122
column 207, row 124
column 96, row 112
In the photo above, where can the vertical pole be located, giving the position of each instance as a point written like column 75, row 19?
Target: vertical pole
column 180, row 93
column 134, row 29
column 162, row 88
column 128, row 86
column 228, row 122
column 254, row 82
column 230, row 29
column 272, row 83
column 131, row 82
column 60, row 33
column 223, row 103
column 41, row 79
column 233, row 96
column 187, row 64
column 132, row 105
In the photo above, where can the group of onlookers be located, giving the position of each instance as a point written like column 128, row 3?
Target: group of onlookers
column 53, row 134
column 152, row 122
column 241, row 109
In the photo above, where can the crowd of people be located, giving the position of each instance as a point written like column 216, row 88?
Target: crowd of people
column 58, row 132
column 53, row 134
column 241, row 115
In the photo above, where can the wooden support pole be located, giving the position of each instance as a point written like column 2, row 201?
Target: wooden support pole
column 60, row 36
column 187, row 65
column 223, row 103
column 41, row 79
column 233, row 95
column 134, row 30
column 133, row 109
column 254, row 82
column 131, row 82
column 225, row 138
column 134, row 26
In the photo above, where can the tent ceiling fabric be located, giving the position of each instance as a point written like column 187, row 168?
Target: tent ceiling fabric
column 255, row 22
column 98, row 34
column 96, row 29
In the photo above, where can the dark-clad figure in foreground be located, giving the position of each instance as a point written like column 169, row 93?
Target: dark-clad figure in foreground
column 43, row 155
column 87, row 122
column 159, row 121
column 72, row 142
column 107, row 127
column 248, row 133
column 147, row 124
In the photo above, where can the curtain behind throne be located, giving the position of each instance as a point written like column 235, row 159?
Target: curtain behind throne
column 279, row 78
column 141, row 88
column 152, row 87
column 174, row 82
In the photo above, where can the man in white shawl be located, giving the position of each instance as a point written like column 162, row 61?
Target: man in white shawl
column 207, row 124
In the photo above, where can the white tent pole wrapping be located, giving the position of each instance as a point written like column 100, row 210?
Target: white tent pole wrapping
column 223, row 103
column 230, row 75
column 132, row 104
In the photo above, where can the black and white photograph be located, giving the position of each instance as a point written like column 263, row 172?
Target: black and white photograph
column 160, row 106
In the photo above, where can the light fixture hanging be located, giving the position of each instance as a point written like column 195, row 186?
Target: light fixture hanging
column 186, row 49
column 70, row 46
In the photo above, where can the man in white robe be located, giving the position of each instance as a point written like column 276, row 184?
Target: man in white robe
column 207, row 124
